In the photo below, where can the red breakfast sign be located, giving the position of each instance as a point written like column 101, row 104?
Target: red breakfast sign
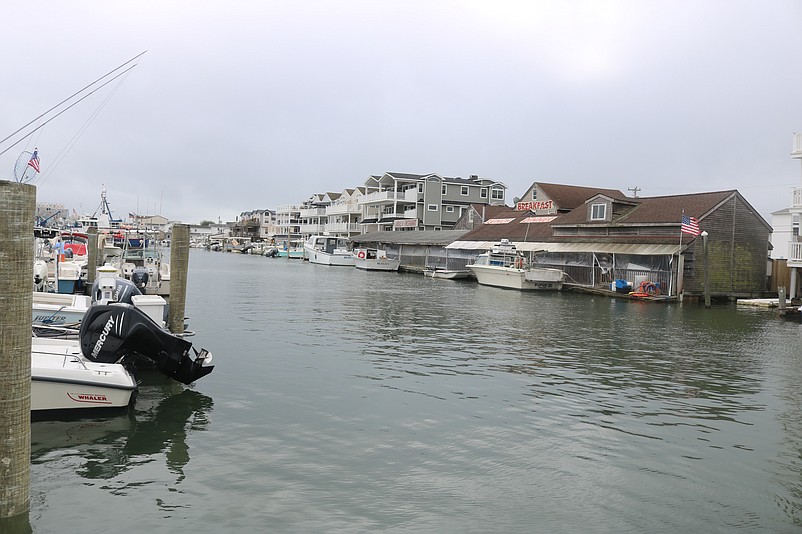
column 535, row 205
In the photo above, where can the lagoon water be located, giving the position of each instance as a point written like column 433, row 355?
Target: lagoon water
column 348, row 401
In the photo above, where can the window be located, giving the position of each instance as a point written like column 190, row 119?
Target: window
column 464, row 190
column 450, row 209
column 432, row 207
column 445, row 188
column 534, row 193
column 497, row 193
column 598, row 212
column 483, row 192
column 420, row 187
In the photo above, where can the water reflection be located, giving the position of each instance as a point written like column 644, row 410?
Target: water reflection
column 108, row 445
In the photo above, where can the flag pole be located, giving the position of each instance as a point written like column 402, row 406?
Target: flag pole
column 679, row 250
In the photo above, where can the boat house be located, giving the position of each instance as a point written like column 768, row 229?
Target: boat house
column 608, row 237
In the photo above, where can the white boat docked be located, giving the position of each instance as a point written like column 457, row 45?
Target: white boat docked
column 91, row 371
column 504, row 266
column 447, row 274
column 372, row 259
column 62, row 378
column 328, row 250
column 58, row 309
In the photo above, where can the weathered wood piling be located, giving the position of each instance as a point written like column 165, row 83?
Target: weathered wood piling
column 92, row 255
column 179, row 264
column 17, row 209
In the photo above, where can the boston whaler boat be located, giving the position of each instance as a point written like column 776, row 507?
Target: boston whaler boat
column 93, row 370
column 504, row 266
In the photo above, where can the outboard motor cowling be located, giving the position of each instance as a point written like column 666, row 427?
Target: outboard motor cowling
column 140, row 278
column 122, row 292
column 111, row 333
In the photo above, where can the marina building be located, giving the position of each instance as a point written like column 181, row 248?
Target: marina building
column 609, row 236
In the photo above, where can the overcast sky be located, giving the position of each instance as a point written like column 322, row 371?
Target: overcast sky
column 248, row 105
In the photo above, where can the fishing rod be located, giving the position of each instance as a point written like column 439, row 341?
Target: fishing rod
column 21, row 139
column 73, row 96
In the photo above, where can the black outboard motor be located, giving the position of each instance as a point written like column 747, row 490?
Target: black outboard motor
column 123, row 291
column 111, row 333
column 140, row 278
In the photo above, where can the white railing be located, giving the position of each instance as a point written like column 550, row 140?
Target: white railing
column 796, row 198
column 312, row 212
column 343, row 227
column 381, row 196
column 797, row 152
column 312, row 228
column 342, row 209
column 411, row 195
column 411, row 214
column 286, row 208
column 795, row 254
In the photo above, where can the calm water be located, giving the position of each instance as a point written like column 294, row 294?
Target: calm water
column 346, row 401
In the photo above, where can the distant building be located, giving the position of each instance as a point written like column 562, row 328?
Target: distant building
column 408, row 202
column 786, row 241
column 258, row 225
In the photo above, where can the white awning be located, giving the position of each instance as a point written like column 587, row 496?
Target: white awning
column 606, row 248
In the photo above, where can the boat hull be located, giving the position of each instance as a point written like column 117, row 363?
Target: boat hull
column 381, row 264
column 61, row 379
column 521, row 279
column 324, row 258
column 447, row 274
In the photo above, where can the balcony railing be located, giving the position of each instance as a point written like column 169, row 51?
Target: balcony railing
column 381, row 196
column 312, row 228
column 312, row 212
column 795, row 254
column 411, row 195
column 342, row 209
column 343, row 227
column 286, row 208
column 411, row 214
column 797, row 152
column 796, row 198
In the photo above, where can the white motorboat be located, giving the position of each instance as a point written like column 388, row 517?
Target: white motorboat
column 447, row 274
column 58, row 309
column 328, row 250
column 504, row 266
column 372, row 259
column 92, row 370
column 62, row 378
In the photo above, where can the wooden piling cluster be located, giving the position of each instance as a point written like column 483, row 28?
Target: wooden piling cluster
column 17, row 210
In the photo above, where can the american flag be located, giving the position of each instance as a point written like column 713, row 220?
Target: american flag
column 690, row 225
column 34, row 161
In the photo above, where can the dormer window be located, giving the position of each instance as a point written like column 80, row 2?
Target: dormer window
column 598, row 212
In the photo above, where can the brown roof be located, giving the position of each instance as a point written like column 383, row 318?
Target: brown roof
column 659, row 210
column 516, row 230
column 490, row 212
column 573, row 196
